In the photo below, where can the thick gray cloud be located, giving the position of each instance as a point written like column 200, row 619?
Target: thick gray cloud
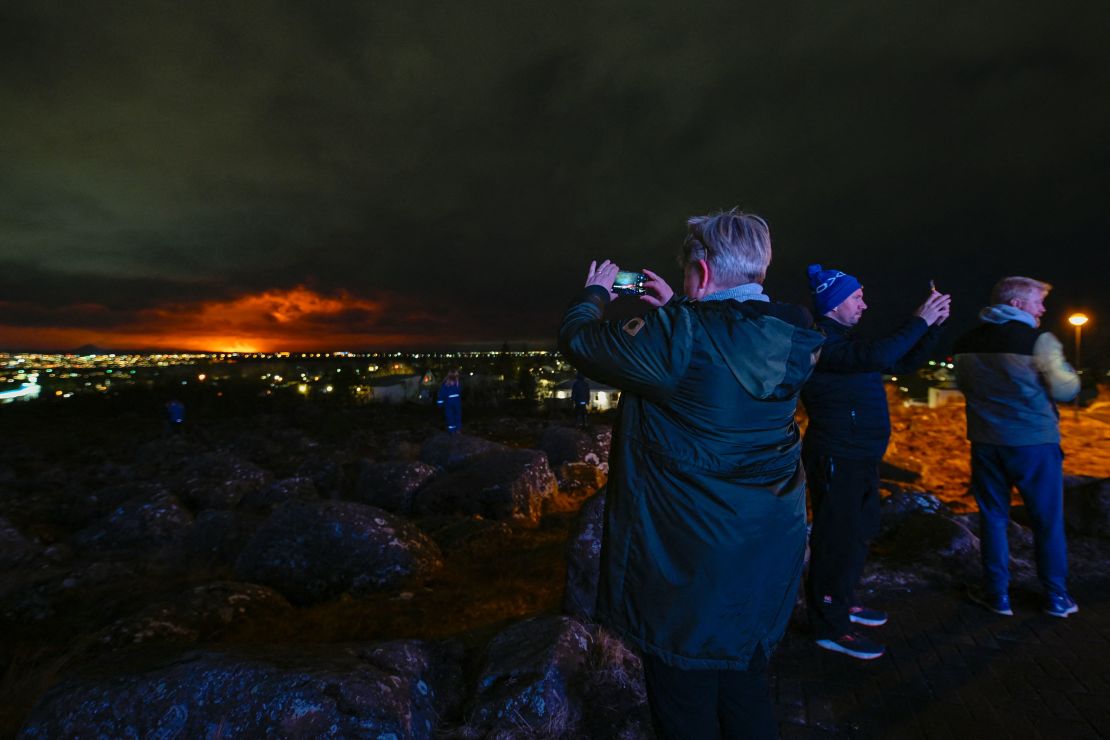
column 475, row 156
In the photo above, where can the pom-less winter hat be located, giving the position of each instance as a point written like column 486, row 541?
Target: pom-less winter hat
column 830, row 288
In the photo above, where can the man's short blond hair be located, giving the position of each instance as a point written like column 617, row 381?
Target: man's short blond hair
column 1015, row 286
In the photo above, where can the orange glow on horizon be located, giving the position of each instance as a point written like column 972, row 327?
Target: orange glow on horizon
column 297, row 319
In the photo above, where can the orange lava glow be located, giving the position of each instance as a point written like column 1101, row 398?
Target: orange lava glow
column 298, row 318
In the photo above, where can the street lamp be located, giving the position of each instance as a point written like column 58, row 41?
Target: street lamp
column 1078, row 320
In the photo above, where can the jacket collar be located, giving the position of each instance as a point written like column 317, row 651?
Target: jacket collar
column 1000, row 313
column 832, row 327
column 745, row 292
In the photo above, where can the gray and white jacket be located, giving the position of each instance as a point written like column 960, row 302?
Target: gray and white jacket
column 1012, row 375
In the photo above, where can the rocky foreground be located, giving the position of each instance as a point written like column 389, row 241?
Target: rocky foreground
column 314, row 575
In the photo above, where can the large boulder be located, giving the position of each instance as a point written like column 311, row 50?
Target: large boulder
column 15, row 548
column 568, row 445
column 391, row 485
column 166, row 456
column 921, row 536
column 528, row 679
column 218, row 480
column 313, row 552
column 924, row 549
column 1087, row 505
column 613, row 691
column 579, row 480
column 904, row 502
column 41, row 594
column 584, row 559
column 213, row 542
column 1018, row 535
column 452, row 451
column 51, row 511
column 201, row 613
column 504, row 485
column 921, row 541
column 469, row 537
column 101, row 501
column 137, row 525
column 331, row 472
column 279, row 492
column 392, row 690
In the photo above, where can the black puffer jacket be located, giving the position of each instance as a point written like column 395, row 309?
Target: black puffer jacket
column 845, row 398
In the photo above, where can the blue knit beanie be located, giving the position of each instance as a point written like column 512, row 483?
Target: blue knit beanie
column 830, row 288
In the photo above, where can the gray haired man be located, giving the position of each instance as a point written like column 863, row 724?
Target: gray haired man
column 1012, row 374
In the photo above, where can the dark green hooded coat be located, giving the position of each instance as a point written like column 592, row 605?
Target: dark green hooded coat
column 705, row 512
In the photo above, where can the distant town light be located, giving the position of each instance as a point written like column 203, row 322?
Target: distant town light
column 201, row 377
column 302, row 388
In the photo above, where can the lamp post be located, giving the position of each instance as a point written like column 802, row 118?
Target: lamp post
column 1078, row 320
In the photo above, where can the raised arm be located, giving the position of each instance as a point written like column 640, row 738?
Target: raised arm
column 645, row 355
column 918, row 353
column 872, row 355
column 902, row 351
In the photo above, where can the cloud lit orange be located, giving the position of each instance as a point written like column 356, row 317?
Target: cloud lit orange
column 273, row 320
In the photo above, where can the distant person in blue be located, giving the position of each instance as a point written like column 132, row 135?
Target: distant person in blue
column 175, row 416
column 1012, row 374
column 450, row 398
column 847, row 436
column 580, row 395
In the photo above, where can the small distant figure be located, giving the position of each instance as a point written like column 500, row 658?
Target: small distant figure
column 580, row 394
column 450, row 398
column 175, row 416
column 1013, row 373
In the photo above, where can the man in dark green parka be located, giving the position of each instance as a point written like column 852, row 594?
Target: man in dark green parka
column 705, row 512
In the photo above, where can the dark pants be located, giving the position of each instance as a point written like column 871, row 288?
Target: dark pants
column 580, row 415
column 706, row 705
column 1037, row 472
column 844, row 494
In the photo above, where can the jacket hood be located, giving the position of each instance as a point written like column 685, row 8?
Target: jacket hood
column 1000, row 313
column 769, row 357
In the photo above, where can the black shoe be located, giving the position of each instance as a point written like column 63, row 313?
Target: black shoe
column 855, row 645
column 999, row 604
column 867, row 617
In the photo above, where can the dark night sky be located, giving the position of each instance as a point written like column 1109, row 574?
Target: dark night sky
column 346, row 175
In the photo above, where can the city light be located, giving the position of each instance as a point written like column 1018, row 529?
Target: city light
column 1078, row 319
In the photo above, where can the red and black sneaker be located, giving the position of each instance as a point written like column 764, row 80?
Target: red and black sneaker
column 855, row 645
column 867, row 617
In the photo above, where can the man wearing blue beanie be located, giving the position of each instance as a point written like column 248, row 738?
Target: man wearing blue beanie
column 849, row 427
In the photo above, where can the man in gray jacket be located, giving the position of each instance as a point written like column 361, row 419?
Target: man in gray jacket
column 1012, row 375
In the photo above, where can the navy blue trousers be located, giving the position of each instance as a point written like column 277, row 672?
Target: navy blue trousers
column 1037, row 472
